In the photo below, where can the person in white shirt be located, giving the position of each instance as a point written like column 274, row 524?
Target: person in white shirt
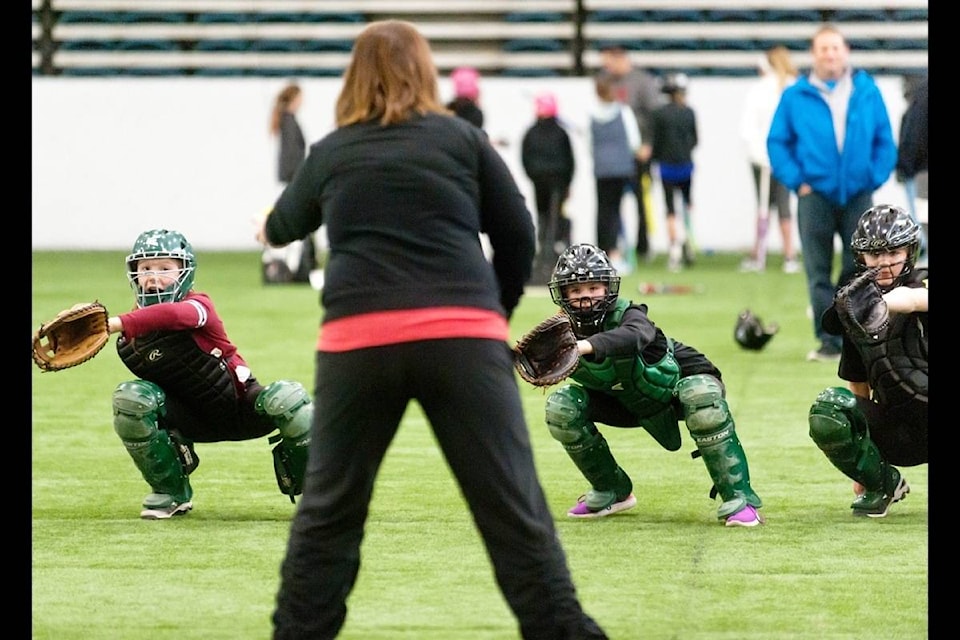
column 777, row 71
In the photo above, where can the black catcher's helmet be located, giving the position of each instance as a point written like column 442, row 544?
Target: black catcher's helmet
column 750, row 333
column 886, row 227
column 578, row 264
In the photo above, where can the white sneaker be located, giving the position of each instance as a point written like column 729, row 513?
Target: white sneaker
column 674, row 256
column 791, row 266
column 750, row 266
column 160, row 506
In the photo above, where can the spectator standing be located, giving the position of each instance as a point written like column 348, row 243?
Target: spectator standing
column 466, row 95
column 640, row 90
column 674, row 138
column 880, row 419
column 547, row 157
column 912, row 155
column 413, row 310
column 777, row 72
column 614, row 142
column 294, row 262
column 831, row 142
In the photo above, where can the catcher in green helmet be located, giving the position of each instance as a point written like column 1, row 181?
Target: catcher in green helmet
column 192, row 385
column 630, row 374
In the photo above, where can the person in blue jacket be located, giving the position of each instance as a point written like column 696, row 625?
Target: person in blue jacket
column 831, row 142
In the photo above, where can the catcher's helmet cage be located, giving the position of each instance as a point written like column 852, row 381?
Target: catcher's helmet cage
column 884, row 228
column 582, row 263
column 162, row 243
column 750, row 333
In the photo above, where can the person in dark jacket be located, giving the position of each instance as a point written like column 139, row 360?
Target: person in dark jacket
column 466, row 95
column 547, row 157
column 294, row 262
column 415, row 311
column 912, row 169
column 674, row 132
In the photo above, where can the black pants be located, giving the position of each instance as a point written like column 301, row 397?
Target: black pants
column 468, row 391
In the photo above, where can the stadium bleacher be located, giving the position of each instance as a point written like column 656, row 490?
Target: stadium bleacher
column 499, row 37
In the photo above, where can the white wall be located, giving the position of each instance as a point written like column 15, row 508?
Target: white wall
column 113, row 157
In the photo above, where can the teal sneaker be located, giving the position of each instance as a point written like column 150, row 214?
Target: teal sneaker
column 874, row 504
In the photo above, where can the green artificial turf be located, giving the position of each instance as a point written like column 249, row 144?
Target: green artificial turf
column 665, row 570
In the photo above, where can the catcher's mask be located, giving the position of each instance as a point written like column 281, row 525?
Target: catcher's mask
column 750, row 333
column 161, row 243
column 884, row 228
column 582, row 263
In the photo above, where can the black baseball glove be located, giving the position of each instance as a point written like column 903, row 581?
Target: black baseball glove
column 861, row 308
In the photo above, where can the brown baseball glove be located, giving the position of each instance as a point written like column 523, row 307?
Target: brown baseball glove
column 548, row 353
column 74, row 336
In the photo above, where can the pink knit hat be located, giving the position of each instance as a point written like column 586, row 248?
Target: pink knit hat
column 546, row 105
column 465, row 82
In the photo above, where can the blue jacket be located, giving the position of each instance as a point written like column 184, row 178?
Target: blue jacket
column 802, row 147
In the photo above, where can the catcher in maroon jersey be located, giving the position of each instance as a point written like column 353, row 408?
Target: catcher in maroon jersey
column 880, row 419
column 192, row 384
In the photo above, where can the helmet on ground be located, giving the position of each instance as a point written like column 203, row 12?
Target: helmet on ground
column 884, row 228
column 162, row 243
column 579, row 264
column 750, row 333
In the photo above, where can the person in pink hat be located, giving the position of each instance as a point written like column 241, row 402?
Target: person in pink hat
column 466, row 95
column 547, row 157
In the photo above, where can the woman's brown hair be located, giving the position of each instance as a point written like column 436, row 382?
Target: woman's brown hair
column 286, row 96
column 391, row 76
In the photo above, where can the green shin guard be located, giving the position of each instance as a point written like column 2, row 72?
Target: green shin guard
column 136, row 407
column 592, row 456
column 726, row 463
column 710, row 424
column 838, row 428
column 291, row 410
column 566, row 411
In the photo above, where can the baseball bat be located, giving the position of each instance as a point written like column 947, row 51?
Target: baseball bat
column 653, row 288
column 763, row 218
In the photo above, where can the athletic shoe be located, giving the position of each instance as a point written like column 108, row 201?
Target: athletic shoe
column 687, row 254
column 160, row 506
column 874, row 504
column 674, row 256
column 791, row 266
column 581, row 510
column 750, row 266
column 746, row 517
column 825, row 353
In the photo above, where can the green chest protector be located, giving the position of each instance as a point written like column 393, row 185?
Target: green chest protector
column 646, row 389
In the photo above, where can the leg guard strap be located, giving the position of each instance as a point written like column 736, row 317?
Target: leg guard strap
column 137, row 406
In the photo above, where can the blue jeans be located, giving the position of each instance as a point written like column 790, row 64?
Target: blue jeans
column 819, row 221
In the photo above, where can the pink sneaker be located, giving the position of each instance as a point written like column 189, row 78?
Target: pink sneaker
column 581, row 510
column 746, row 517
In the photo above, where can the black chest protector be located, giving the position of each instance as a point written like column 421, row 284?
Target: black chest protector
column 644, row 388
column 897, row 365
column 173, row 361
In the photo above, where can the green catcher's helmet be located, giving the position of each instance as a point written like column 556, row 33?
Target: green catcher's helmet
column 162, row 243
